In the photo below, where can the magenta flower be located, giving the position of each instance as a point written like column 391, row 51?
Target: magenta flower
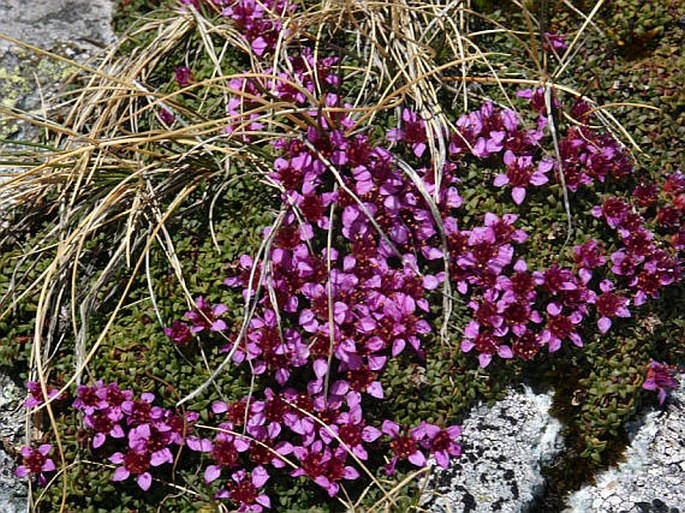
column 166, row 116
column 205, row 317
column 404, row 445
column 183, row 76
column 104, row 423
column 554, row 42
column 353, row 431
column 36, row 397
column 485, row 342
column 609, row 305
column 35, row 461
column 439, row 442
column 413, row 133
column 560, row 327
column 588, row 257
column 225, row 451
column 132, row 462
column 614, row 211
column 88, row 399
column 180, row 333
column 660, row 377
column 244, row 490
column 521, row 173
column 324, row 465
column 645, row 194
column 144, row 438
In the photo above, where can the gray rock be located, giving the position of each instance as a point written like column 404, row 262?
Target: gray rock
column 504, row 450
column 47, row 23
column 652, row 477
column 13, row 491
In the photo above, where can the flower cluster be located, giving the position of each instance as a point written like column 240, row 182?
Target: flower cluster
column 367, row 234
column 146, row 434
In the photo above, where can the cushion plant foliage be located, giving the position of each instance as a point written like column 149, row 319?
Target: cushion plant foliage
column 276, row 250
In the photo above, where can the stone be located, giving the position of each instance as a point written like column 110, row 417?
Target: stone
column 652, row 477
column 13, row 491
column 50, row 23
column 504, row 449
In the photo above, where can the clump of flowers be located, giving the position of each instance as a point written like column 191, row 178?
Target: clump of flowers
column 146, row 434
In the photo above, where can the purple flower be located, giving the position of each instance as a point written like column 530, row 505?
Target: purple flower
column 145, row 438
column 105, row 423
column 609, row 305
column 244, row 490
column 660, row 377
column 414, row 132
column 35, row 461
column 560, row 327
column 183, row 76
column 520, row 174
column 554, row 42
column 439, row 442
column 132, row 462
column 205, row 317
column 485, row 342
column 404, row 445
column 166, row 116
column 587, row 257
column 36, row 397
column 179, row 333
column 324, row 465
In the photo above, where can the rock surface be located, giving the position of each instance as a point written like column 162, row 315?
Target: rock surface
column 13, row 491
column 652, row 478
column 504, row 450
column 47, row 23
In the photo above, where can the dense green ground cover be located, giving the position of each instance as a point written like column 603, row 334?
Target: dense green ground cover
column 629, row 55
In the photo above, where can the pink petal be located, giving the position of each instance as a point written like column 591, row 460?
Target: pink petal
column 505, row 352
column 120, row 474
column 484, row 359
column 538, row 179
column 467, row 345
column 259, row 46
column 442, row 458
column 518, row 194
column 263, row 500
column 501, row 180
column 259, row 476
column 320, row 368
column 604, row 324
column 212, row 472
column 375, row 390
column 144, row 481
column 160, row 457
column 417, row 459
